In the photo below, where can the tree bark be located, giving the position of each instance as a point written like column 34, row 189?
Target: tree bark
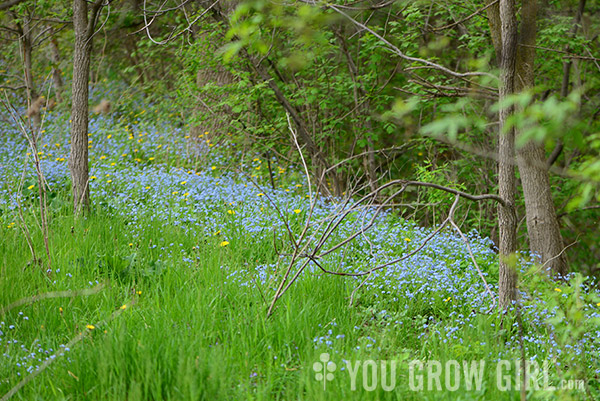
column 24, row 31
column 56, row 72
column 545, row 238
column 78, row 158
column 503, row 26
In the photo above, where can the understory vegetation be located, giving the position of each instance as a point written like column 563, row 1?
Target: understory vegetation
column 181, row 254
column 307, row 200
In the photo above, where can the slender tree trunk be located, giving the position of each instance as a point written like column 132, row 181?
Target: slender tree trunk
column 27, row 61
column 56, row 72
column 503, row 26
column 545, row 238
column 24, row 30
column 369, row 163
column 78, row 160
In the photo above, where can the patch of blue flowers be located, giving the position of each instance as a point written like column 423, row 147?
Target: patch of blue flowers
column 210, row 199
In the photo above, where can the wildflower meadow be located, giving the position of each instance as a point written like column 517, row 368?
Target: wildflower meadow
column 169, row 287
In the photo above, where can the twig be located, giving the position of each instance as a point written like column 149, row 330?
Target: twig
column 60, row 352
column 52, row 294
column 465, row 19
column 466, row 241
column 567, row 54
column 401, row 54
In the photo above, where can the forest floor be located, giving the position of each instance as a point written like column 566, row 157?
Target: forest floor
column 161, row 291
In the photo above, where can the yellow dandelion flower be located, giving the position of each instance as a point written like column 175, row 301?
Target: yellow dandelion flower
column 407, row 239
column 31, row 187
column 139, row 292
column 183, row 182
column 123, row 307
column 113, row 164
column 557, row 290
column 224, row 243
column 109, row 136
column 90, row 326
column 60, row 309
column 174, row 192
column 297, row 211
column 147, row 187
column 109, row 181
column 130, row 244
column 102, row 157
column 151, row 158
column 213, row 168
column 231, row 211
column 260, row 194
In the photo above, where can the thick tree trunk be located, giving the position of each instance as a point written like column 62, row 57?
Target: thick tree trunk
column 78, row 160
column 545, row 238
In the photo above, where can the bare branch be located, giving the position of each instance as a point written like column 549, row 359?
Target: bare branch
column 401, row 54
column 50, row 295
column 464, row 19
column 9, row 4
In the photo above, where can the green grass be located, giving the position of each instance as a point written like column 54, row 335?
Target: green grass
column 194, row 334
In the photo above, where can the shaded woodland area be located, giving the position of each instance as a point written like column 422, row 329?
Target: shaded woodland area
column 480, row 119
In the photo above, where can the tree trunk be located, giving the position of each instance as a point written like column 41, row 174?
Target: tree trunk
column 78, row 160
column 545, row 238
column 27, row 61
column 24, row 31
column 503, row 26
column 56, row 72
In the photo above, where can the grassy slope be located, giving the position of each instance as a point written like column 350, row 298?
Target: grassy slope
column 194, row 324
